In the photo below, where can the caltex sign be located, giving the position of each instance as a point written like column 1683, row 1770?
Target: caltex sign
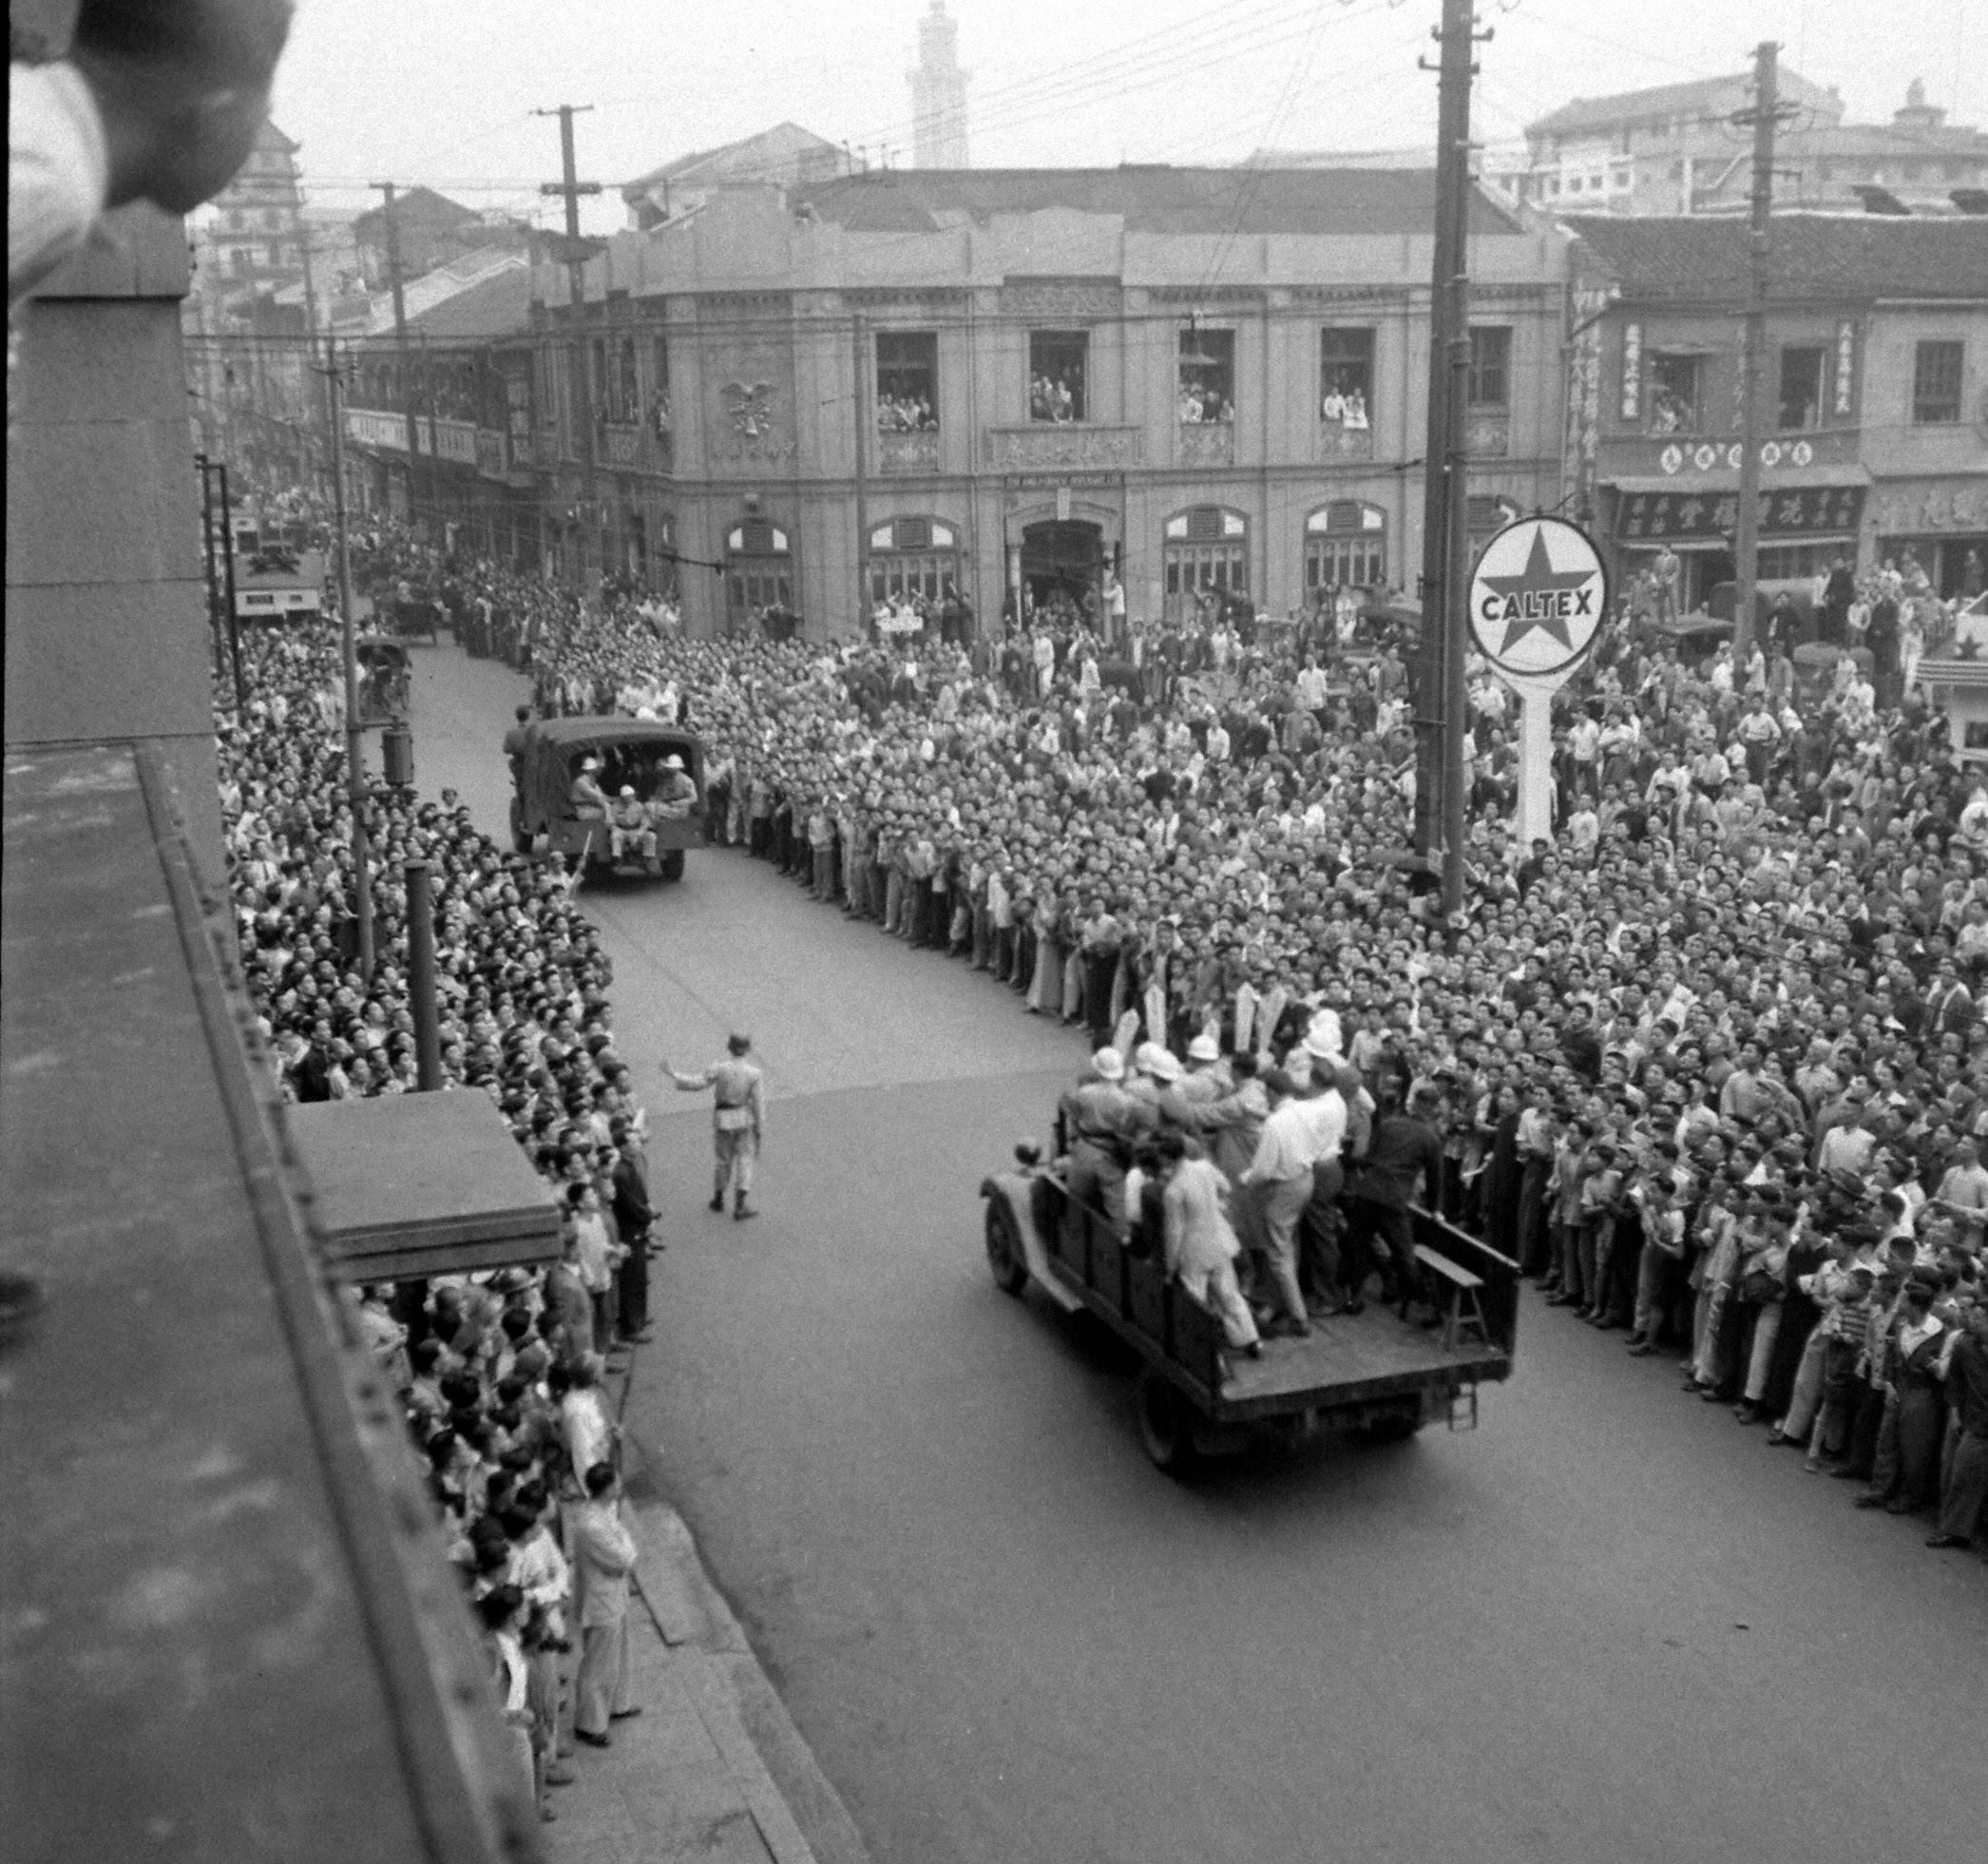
column 1537, row 597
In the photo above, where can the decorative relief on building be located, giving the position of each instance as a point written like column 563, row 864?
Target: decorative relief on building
column 1042, row 448
column 623, row 444
column 750, row 408
column 1489, row 436
column 751, row 419
column 907, row 298
column 1045, row 300
column 1338, row 441
column 1348, row 293
column 1206, row 443
column 910, row 453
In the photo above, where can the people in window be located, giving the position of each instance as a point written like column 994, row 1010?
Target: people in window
column 906, row 414
column 1055, row 397
column 1344, row 405
column 1670, row 413
column 1204, row 405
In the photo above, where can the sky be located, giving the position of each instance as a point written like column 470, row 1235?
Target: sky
column 440, row 94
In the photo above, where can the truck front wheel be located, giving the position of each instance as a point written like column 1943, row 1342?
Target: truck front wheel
column 673, row 863
column 1166, row 1424
column 1005, row 1257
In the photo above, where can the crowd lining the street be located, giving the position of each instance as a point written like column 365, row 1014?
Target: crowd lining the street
column 1711, row 1064
column 504, row 1376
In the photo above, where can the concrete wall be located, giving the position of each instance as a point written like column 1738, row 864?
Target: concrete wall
column 107, row 601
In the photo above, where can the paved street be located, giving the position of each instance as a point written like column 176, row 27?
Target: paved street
column 1609, row 1625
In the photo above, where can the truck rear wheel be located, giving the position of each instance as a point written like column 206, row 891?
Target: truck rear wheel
column 1166, row 1424
column 1005, row 1254
column 673, row 863
column 1398, row 1427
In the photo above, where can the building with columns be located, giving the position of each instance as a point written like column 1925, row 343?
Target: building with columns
column 1004, row 379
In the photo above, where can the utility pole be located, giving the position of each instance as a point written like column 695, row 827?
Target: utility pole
column 1745, row 548
column 397, row 284
column 306, row 248
column 570, row 188
column 354, row 733
column 1441, row 693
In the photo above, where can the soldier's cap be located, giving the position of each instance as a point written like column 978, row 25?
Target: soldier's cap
column 628, row 789
column 1204, row 1049
column 673, row 761
column 1108, row 1064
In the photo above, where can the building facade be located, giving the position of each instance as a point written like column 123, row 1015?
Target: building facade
column 1194, row 380
column 1874, row 392
column 460, row 388
column 1676, row 150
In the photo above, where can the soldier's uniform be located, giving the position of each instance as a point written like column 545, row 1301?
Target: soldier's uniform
column 739, row 1103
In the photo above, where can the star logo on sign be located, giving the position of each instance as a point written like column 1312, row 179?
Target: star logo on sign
column 1531, row 599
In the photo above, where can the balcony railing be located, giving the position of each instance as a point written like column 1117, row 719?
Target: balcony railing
column 908, row 451
column 638, row 448
column 454, row 441
column 1336, row 440
column 1205, row 443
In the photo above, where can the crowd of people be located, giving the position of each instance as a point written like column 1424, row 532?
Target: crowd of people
column 504, row 1376
column 1709, row 1061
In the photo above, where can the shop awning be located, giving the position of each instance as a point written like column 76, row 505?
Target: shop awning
column 1825, row 503
column 420, row 1184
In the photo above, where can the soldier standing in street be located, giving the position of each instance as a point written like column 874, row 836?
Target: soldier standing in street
column 738, row 1121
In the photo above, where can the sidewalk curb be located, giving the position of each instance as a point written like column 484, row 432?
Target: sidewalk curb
column 799, row 1815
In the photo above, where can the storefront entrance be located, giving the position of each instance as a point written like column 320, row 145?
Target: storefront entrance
column 1062, row 561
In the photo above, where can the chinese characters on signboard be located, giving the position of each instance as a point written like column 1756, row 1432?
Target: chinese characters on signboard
column 1632, row 371
column 1804, row 511
column 1845, row 363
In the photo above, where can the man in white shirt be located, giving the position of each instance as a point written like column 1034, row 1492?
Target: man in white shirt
column 1279, row 1177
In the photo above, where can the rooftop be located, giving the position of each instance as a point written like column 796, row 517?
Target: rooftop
column 775, row 149
column 497, row 305
column 1833, row 256
column 1583, row 114
column 1318, row 202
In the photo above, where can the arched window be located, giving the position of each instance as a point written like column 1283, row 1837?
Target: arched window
column 1346, row 547
column 758, row 571
column 913, row 557
column 1205, row 551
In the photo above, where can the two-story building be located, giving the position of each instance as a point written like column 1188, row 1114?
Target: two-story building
column 1874, row 391
column 1200, row 380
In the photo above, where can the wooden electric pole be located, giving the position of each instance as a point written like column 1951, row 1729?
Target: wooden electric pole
column 570, row 188
column 1442, row 695
column 396, row 283
column 1763, row 116
column 354, row 734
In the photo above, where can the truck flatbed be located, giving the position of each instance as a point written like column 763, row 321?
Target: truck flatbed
column 1372, row 1369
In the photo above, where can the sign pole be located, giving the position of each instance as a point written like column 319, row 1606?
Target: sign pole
column 1534, row 761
